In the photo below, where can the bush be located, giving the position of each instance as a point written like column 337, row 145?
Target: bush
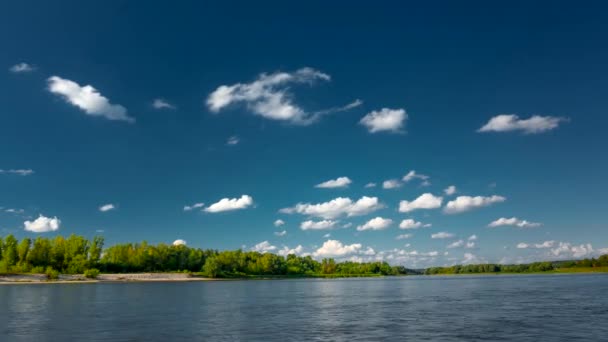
column 37, row 269
column 91, row 273
column 51, row 273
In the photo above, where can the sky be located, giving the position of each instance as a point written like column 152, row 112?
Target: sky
column 422, row 134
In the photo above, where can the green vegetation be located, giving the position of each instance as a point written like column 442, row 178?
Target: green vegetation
column 576, row 266
column 77, row 255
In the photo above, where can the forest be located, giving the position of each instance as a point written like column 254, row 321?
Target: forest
column 78, row 255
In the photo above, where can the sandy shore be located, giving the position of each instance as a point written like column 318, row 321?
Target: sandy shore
column 102, row 278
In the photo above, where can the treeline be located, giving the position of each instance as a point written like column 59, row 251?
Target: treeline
column 77, row 255
column 545, row 266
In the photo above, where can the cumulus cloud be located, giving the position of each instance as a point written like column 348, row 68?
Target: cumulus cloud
column 412, row 224
column 285, row 251
column 279, row 223
column 228, row 204
column 513, row 221
column 442, row 235
column 391, row 184
column 377, row 223
column 336, row 208
column 179, row 242
column 42, row 224
column 318, row 225
column 370, row 185
column 107, row 207
column 263, row 247
column 522, row 245
column 456, row 244
column 335, row 248
column 424, row 201
column 88, row 99
column 19, row 172
column 472, row 237
column 403, row 236
column 269, row 97
column 340, row 182
column 162, row 104
column 233, row 140
column 466, row 203
column 470, row 258
column 413, row 175
column 385, row 120
column 194, row 206
column 281, row 233
column 21, row 68
column 511, row 122
column 568, row 250
column 450, row 190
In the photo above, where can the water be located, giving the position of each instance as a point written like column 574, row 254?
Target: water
column 463, row 308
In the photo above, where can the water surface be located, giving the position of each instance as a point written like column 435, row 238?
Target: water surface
column 418, row 308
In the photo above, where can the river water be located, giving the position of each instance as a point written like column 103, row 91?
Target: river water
column 416, row 308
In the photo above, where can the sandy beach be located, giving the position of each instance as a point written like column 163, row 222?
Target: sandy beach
column 102, row 278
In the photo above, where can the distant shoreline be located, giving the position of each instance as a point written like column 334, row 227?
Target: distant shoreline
column 25, row 279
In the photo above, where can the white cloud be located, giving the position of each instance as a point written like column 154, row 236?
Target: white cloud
column 327, row 235
column 522, row 245
column 456, row 244
column 391, row 184
column 470, row 244
column 179, row 242
column 442, row 235
column 466, row 203
column 20, row 172
column 227, row 204
column 42, row 224
column 413, row 175
column 318, row 225
column 193, row 206
column 391, row 120
column 546, row 244
column 424, row 201
column 412, row 224
column 13, row 210
column 281, row 233
column 336, row 208
column 88, row 99
column 285, row 251
column 377, row 223
column 107, row 207
column 233, row 140
column 403, row 236
column 511, row 122
column 470, row 258
column 340, row 182
column 279, row 223
column 472, row 237
column 450, row 190
column 263, row 247
column 370, row 185
column 269, row 97
column 21, row 68
column 347, row 225
column 162, row 104
column 513, row 221
column 568, row 250
column 335, row 248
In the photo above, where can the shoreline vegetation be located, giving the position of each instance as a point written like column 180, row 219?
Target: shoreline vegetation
column 76, row 259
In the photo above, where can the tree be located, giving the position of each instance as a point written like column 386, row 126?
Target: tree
column 10, row 255
column 22, row 250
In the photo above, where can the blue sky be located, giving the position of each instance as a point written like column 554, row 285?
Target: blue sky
column 195, row 103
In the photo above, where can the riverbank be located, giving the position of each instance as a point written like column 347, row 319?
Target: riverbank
column 102, row 278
